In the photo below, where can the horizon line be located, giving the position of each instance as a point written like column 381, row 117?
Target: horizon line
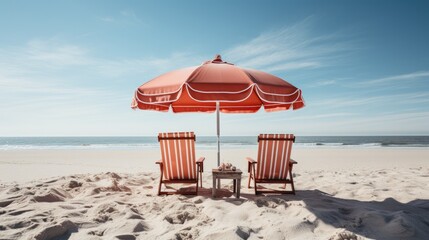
column 83, row 136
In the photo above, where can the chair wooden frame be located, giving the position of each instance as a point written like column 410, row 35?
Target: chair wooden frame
column 252, row 164
column 199, row 170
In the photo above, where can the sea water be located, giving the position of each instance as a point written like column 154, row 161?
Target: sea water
column 209, row 142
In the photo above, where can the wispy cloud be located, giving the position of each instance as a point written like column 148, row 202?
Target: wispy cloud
column 145, row 66
column 390, row 121
column 107, row 19
column 49, row 78
column 401, row 78
column 322, row 116
column 124, row 16
column 131, row 15
column 55, row 54
column 386, row 99
column 322, row 83
column 279, row 116
column 290, row 48
column 40, row 58
column 376, row 124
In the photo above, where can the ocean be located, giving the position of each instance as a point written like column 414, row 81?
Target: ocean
column 209, row 142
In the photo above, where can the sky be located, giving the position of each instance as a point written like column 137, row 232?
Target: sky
column 70, row 68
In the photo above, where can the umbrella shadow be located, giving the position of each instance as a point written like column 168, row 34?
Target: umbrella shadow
column 187, row 190
column 387, row 219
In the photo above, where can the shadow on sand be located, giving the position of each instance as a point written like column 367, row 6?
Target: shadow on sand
column 388, row 219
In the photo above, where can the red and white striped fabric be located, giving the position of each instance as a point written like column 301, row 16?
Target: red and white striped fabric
column 178, row 155
column 273, row 155
column 200, row 88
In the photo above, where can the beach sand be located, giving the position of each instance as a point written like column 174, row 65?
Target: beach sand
column 355, row 193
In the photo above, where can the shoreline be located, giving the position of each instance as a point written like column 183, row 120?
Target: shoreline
column 208, row 148
column 18, row 165
column 207, row 142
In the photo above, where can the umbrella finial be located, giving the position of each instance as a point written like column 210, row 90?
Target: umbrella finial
column 217, row 59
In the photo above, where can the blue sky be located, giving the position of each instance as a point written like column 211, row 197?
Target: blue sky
column 70, row 68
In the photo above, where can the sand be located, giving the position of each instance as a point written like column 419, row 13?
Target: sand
column 379, row 193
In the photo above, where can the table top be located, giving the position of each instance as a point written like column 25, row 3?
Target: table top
column 237, row 171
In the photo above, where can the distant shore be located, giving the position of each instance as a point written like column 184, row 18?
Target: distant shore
column 206, row 142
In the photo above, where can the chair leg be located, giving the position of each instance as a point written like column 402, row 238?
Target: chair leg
column 249, row 170
column 160, row 184
column 256, row 190
column 200, row 175
column 254, row 180
column 250, row 177
column 291, row 182
column 199, row 179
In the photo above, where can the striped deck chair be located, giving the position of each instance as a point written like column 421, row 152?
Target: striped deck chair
column 274, row 164
column 178, row 163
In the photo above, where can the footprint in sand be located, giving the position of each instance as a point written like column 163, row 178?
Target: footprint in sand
column 179, row 218
column 187, row 233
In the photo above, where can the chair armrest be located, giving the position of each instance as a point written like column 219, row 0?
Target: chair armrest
column 251, row 160
column 161, row 166
column 200, row 164
column 291, row 163
column 250, row 164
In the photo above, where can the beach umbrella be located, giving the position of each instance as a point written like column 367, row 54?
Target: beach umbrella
column 217, row 86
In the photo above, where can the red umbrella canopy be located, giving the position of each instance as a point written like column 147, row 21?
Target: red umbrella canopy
column 198, row 88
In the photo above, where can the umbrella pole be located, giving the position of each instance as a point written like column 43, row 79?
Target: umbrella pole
column 218, row 138
column 218, row 132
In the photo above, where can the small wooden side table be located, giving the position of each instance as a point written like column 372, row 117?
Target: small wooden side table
column 235, row 175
